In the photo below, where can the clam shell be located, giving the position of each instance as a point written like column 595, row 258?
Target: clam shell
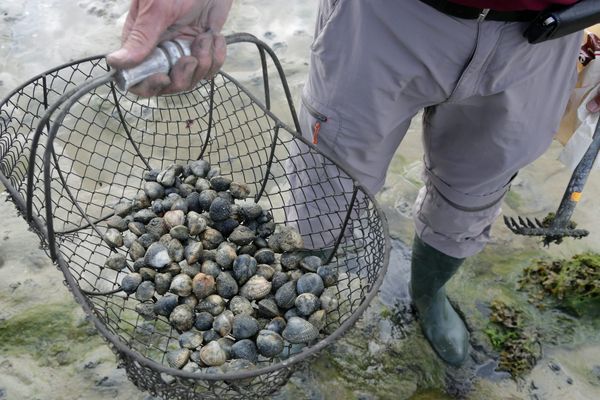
column 265, row 256
column 113, row 238
column 145, row 291
column 292, row 312
column 310, row 263
column 220, row 183
column 266, row 229
column 192, row 200
column 180, row 204
column 123, row 208
column 310, row 283
column 286, row 295
column 193, row 252
column 116, row 222
column 211, row 238
column 226, row 226
column 286, row 239
column 306, row 304
column 154, row 190
column 166, row 304
column 222, row 324
column 167, row 176
column 191, row 367
column 181, row 285
column 147, row 239
column 261, row 243
column 244, row 267
column 290, row 261
column 269, row 343
column 220, row 209
column 227, row 287
column 190, row 300
column 157, row 255
column 211, row 335
column 225, row 255
column 204, row 321
column 250, row 210
column 141, row 200
column 268, row 308
column 203, row 285
column 137, row 228
column 200, row 168
column 206, row 198
column 202, row 184
column 128, row 238
column 131, row 282
column 277, row 324
column 148, row 274
column 138, row 264
column 146, row 311
column 212, row 354
column 214, row 304
column 156, row 226
column 174, row 218
column 175, row 250
column 318, row 319
column 196, row 223
column 244, row 326
column 116, row 262
column 241, row 305
column 190, row 270
column 210, row 267
column 239, row 190
column 182, row 317
column 190, row 340
column 242, row 235
column 278, row 280
column 256, row 288
column 299, row 330
column 249, row 249
column 144, row 216
column 178, row 358
column 226, row 344
column 266, row 271
column 150, row 175
column 180, row 232
column 213, row 171
column 328, row 274
column 245, row 349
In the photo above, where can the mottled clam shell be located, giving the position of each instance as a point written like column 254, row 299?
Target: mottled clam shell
column 174, row 218
column 220, row 209
column 181, row 285
column 204, row 321
column 116, row 222
column 277, row 324
column 244, row 267
column 226, row 344
column 268, row 308
column 328, row 274
column 193, row 252
column 245, row 349
column 264, row 256
column 130, row 282
column 286, row 295
column 227, row 287
column 144, row 216
column 290, row 261
column 190, row 270
column 220, row 183
column 128, row 238
column 226, row 254
column 190, row 340
column 175, row 250
column 212, row 354
column 266, row 229
column 278, row 280
column 146, row 311
column 157, row 256
column 203, row 285
column 181, row 205
column 286, row 239
column 295, row 274
column 249, row 249
column 190, row 300
column 318, row 319
column 148, row 274
column 269, row 343
column 244, row 326
column 113, row 238
column 166, row 304
column 191, row 367
column 250, row 210
column 242, row 235
column 241, row 305
column 222, row 325
column 239, row 190
column 266, row 271
column 116, row 262
column 150, row 175
column 210, row 267
column 299, row 330
column 192, row 200
column 261, row 243
column 196, row 223
column 211, row 238
column 137, row 228
column 211, row 335
column 310, row 263
column 292, row 312
column 200, row 168
column 306, row 304
column 206, row 198
column 154, row 190
column 180, row 232
column 214, row 304
column 147, row 239
column 213, row 171
column 145, row 291
column 156, row 226
column 256, row 288
column 202, row 184
column 178, row 358
column 182, row 317
column 310, row 283
column 123, row 208
column 226, row 226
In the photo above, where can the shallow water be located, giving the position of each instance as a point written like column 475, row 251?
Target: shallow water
column 38, row 35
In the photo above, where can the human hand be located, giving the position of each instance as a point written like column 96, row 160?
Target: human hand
column 152, row 21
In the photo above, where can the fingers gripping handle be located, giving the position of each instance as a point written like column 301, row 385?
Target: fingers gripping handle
column 160, row 61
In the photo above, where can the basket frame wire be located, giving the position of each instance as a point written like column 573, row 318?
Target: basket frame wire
column 45, row 230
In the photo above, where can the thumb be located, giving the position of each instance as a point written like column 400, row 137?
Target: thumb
column 141, row 40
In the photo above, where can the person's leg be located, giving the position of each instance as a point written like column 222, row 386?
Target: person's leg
column 501, row 116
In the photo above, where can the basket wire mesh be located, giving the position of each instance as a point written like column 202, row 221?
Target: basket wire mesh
column 66, row 187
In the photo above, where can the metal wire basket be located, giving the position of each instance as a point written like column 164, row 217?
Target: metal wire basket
column 65, row 176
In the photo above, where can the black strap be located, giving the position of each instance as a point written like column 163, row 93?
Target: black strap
column 466, row 12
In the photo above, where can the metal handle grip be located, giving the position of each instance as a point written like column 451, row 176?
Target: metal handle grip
column 160, row 61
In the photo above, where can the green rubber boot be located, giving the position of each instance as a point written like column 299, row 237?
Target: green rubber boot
column 442, row 326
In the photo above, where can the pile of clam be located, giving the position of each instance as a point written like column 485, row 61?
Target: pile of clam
column 233, row 284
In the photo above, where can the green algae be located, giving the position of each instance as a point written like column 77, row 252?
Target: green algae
column 572, row 284
column 50, row 333
column 516, row 342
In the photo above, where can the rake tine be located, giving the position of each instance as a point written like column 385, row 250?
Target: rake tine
column 522, row 222
column 510, row 223
column 530, row 223
column 539, row 223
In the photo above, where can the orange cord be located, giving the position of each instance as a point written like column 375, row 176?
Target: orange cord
column 316, row 130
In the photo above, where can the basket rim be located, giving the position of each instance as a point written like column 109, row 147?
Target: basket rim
column 122, row 347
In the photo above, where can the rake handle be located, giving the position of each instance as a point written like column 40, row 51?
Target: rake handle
column 577, row 182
